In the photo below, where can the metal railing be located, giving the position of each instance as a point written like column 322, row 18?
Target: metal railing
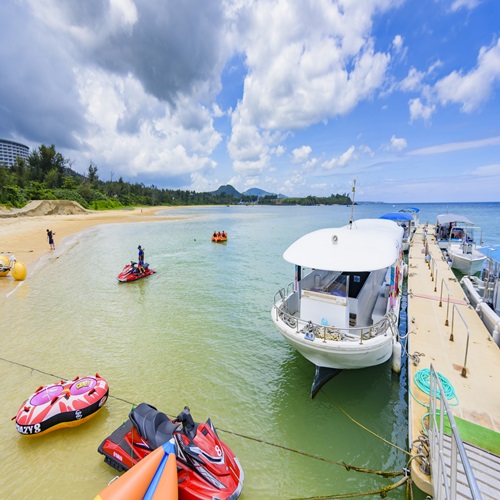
column 464, row 368
column 444, row 475
column 446, row 323
column 386, row 326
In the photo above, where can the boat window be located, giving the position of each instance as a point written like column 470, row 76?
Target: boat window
column 330, row 282
column 338, row 287
column 355, row 281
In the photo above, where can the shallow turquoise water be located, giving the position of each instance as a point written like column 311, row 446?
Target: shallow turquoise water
column 199, row 333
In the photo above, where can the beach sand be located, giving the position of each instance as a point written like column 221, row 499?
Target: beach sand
column 23, row 233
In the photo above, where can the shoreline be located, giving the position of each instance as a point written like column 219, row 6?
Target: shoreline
column 25, row 236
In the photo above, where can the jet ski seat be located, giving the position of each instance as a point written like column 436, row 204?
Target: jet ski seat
column 153, row 425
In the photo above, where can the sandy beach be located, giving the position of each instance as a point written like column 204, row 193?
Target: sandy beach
column 25, row 235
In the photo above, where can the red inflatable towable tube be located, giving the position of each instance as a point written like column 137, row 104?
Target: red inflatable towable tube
column 66, row 404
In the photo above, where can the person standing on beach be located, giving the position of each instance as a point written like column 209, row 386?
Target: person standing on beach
column 50, row 237
column 140, row 259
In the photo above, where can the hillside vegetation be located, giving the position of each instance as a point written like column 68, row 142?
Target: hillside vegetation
column 47, row 175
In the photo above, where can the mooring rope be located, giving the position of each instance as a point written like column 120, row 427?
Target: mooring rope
column 382, row 492
column 385, row 474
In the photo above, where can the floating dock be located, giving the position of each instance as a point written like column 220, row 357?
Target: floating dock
column 444, row 330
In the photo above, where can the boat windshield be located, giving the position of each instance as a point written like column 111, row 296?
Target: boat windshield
column 331, row 283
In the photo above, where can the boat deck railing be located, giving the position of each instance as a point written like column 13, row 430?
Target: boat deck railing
column 444, row 471
column 386, row 326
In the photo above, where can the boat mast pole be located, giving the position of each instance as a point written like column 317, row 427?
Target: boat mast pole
column 352, row 206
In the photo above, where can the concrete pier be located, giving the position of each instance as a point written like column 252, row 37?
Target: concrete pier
column 446, row 331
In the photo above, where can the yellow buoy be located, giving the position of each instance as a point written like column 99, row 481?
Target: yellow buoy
column 4, row 262
column 19, row 271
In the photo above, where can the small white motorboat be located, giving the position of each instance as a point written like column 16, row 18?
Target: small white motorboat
column 343, row 312
column 464, row 257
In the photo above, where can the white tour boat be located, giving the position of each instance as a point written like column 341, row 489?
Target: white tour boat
column 343, row 312
column 406, row 221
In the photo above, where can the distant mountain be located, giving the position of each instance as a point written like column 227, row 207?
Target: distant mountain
column 229, row 190
column 256, row 192
column 261, row 192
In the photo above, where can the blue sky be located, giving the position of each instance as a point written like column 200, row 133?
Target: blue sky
column 296, row 97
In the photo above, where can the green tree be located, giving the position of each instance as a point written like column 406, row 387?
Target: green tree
column 92, row 175
column 42, row 161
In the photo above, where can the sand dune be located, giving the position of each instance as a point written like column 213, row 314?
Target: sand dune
column 45, row 207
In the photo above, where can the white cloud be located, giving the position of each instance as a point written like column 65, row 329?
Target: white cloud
column 201, row 184
column 397, row 43
column 342, row 160
column 457, row 146
column 298, row 76
column 396, row 144
column 300, row 155
column 465, row 4
column 474, row 88
column 419, row 110
column 143, row 134
column 216, row 111
column 413, row 81
column 366, row 150
column 279, row 151
column 492, row 170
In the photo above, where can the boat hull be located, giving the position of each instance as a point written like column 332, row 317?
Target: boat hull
column 340, row 355
column 466, row 263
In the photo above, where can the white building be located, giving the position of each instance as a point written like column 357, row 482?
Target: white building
column 10, row 150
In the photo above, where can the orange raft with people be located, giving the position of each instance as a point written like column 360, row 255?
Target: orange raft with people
column 65, row 404
column 219, row 237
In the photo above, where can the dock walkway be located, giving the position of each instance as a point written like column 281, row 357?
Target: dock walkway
column 440, row 320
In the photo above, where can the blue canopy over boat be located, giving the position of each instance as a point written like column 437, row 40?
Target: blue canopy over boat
column 413, row 209
column 396, row 216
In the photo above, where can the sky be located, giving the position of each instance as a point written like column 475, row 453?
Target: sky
column 297, row 97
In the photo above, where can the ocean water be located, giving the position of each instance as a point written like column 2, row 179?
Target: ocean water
column 198, row 333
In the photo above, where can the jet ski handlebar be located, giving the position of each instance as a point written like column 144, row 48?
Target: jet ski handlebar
column 188, row 424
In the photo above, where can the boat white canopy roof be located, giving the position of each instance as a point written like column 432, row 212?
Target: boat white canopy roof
column 368, row 245
column 448, row 218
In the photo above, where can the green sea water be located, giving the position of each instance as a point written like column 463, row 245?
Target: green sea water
column 197, row 333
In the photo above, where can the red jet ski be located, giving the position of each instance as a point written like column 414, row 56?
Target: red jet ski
column 131, row 272
column 206, row 467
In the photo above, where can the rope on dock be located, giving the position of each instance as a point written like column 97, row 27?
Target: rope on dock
column 421, row 379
